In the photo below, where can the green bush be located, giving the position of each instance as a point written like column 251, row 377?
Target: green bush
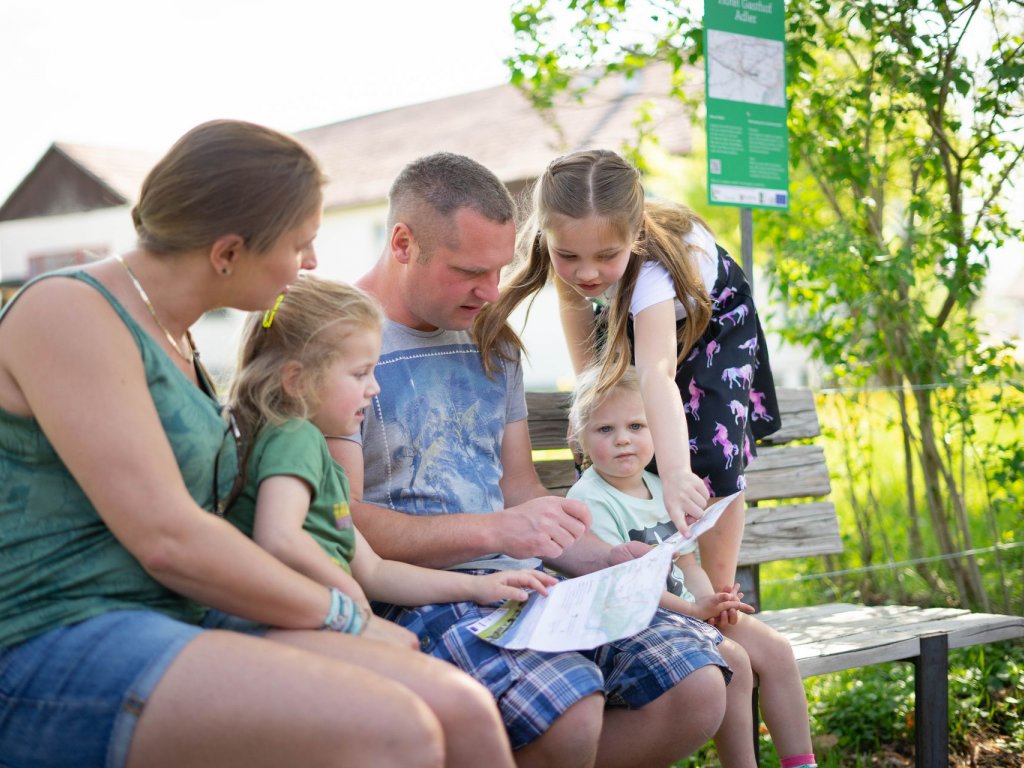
column 859, row 712
column 986, row 687
column 864, row 708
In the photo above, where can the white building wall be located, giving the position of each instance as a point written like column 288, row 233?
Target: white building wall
column 349, row 243
column 108, row 230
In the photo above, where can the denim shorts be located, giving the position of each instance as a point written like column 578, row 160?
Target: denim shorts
column 73, row 695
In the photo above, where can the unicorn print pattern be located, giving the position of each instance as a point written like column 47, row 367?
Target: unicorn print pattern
column 692, row 406
column 739, row 411
column 710, row 350
column 736, row 316
column 723, row 297
column 729, row 449
column 760, row 412
column 750, row 345
column 739, row 376
column 726, row 385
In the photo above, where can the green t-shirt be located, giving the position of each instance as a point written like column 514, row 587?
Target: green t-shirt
column 59, row 563
column 297, row 448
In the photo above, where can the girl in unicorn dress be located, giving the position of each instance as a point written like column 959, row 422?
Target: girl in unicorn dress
column 643, row 281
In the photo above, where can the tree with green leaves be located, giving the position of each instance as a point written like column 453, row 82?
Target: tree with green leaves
column 906, row 124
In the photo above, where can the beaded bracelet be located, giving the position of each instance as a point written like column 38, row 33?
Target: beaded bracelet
column 344, row 615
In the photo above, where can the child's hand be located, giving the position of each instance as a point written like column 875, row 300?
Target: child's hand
column 730, row 616
column 711, row 608
column 510, row 585
column 686, row 496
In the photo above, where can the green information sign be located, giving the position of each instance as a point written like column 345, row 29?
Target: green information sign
column 745, row 88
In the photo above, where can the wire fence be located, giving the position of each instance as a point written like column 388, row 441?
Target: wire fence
column 959, row 384
column 854, row 419
column 893, row 566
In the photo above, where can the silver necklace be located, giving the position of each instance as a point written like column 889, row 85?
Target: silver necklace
column 191, row 356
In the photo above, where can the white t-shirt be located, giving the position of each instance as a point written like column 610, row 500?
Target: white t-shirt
column 654, row 283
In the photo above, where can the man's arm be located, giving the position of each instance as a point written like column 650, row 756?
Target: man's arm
column 587, row 555
column 436, row 541
column 535, row 524
column 520, row 481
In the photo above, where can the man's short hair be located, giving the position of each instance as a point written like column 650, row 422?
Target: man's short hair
column 428, row 192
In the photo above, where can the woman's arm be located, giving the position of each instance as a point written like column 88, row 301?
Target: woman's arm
column 281, row 508
column 577, row 316
column 89, row 394
column 655, row 355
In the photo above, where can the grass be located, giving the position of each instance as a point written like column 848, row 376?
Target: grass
column 864, row 717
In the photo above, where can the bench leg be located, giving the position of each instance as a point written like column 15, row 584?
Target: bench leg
column 931, row 703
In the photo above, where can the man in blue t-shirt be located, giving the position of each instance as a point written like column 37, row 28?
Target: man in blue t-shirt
column 444, row 478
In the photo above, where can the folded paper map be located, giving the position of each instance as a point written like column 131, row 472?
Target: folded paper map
column 588, row 611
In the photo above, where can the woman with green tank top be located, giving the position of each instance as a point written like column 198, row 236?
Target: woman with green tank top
column 116, row 458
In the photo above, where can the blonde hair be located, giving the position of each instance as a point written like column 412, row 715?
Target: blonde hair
column 227, row 177
column 587, row 398
column 307, row 328
column 600, row 183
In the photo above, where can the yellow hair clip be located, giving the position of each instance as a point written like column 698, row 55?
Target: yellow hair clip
column 268, row 316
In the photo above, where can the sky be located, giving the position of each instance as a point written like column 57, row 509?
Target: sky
column 139, row 73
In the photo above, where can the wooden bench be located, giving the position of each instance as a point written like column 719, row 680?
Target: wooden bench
column 825, row 638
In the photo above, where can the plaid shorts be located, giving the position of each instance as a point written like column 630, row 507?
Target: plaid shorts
column 534, row 689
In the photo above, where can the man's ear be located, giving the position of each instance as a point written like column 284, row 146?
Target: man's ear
column 291, row 378
column 225, row 253
column 402, row 243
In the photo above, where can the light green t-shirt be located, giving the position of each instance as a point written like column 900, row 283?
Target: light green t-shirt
column 297, row 448
column 619, row 517
column 59, row 563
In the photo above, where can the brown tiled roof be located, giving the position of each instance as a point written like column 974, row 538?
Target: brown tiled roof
column 120, row 170
column 496, row 126
column 70, row 178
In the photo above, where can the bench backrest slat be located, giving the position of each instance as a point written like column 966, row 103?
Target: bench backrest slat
column 796, row 471
column 789, row 472
column 799, row 417
column 790, row 530
column 549, row 416
column 781, row 472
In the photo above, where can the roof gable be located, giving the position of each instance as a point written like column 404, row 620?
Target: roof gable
column 71, row 178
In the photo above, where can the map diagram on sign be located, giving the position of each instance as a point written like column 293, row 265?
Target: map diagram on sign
column 747, row 69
